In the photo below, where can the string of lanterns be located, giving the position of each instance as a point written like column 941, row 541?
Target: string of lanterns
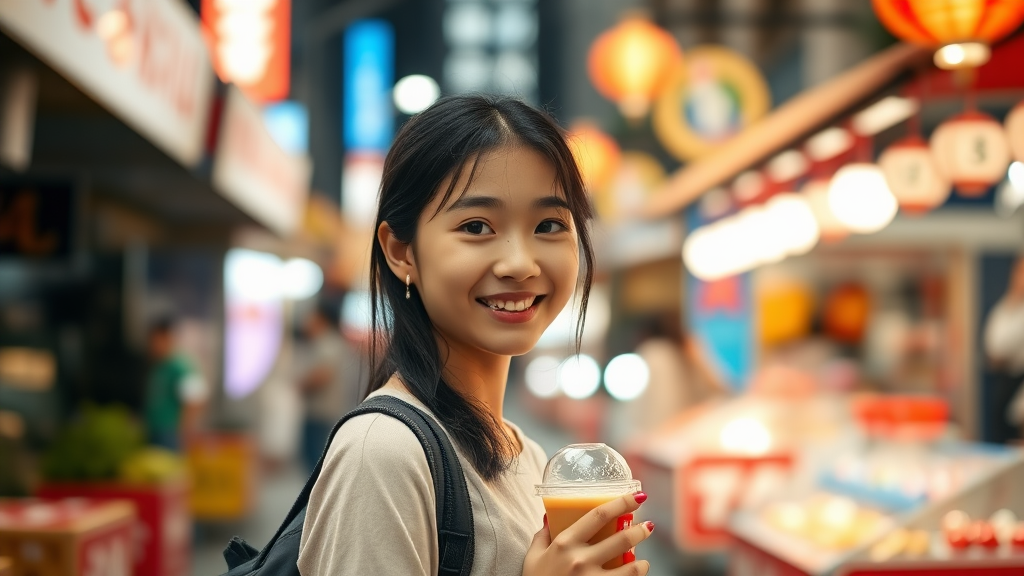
column 971, row 152
column 830, row 187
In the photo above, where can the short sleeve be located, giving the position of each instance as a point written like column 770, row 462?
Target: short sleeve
column 372, row 508
column 193, row 389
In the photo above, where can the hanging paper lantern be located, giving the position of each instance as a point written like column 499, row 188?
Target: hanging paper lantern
column 831, row 229
column 1015, row 131
column 845, row 313
column 597, row 154
column 630, row 64
column 860, row 198
column 971, row 149
column 962, row 30
column 912, row 175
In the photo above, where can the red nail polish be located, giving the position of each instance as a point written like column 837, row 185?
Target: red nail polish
column 545, row 520
column 640, row 497
column 650, row 526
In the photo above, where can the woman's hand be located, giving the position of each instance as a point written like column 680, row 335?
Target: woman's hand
column 570, row 554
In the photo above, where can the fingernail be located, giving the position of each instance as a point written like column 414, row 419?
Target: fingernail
column 545, row 520
column 640, row 497
column 650, row 526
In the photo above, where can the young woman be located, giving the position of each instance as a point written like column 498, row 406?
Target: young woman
column 480, row 226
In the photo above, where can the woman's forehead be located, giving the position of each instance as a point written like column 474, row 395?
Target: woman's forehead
column 513, row 172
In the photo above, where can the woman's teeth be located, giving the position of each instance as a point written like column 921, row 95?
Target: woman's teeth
column 510, row 305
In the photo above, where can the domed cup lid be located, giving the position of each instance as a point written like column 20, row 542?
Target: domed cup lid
column 587, row 470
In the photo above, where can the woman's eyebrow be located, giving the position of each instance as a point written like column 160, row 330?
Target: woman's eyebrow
column 497, row 203
column 551, row 202
column 476, row 202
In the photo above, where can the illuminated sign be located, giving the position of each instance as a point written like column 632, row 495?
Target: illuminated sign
column 368, row 119
column 35, row 220
column 250, row 41
column 143, row 59
column 254, row 172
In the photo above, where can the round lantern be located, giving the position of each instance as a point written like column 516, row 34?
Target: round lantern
column 845, row 313
column 1015, row 131
column 860, row 198
column 972, row 151
column 912, row 175
column 597, row 154
column 830, row 228
column 962, row 30
column 631, row 63
column 793, row 221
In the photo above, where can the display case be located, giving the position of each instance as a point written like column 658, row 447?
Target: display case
column 723, row 456
column 952, row 510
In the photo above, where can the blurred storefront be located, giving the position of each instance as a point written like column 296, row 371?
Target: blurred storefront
column 128, row 174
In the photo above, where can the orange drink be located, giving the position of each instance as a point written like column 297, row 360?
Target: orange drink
column 564, row 511
column 581, row 477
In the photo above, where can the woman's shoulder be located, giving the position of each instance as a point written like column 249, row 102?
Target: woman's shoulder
column 376, row 443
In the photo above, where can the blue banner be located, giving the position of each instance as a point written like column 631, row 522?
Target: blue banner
column 369, row 75
column 721, row 316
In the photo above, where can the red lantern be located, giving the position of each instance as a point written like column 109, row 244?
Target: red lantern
column 1015, row 131
column 845, row 313
column 961, row 29
column 912, row 175
column 631, row 63
column 972, row 151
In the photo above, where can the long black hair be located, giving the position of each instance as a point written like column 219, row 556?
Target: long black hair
column 439, row 143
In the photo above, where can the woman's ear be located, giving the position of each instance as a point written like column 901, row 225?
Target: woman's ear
column 398, row 253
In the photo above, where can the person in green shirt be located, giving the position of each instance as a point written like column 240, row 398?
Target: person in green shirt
column 175, row 392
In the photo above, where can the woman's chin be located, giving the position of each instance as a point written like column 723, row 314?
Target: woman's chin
column 512, row 347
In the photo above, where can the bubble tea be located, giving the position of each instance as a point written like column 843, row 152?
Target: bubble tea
column 581, row 477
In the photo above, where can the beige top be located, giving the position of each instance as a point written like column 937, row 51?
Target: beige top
column 372, row 508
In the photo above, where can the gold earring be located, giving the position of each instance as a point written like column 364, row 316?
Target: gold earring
column 407, row 287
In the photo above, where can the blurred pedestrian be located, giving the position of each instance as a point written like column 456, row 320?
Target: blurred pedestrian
column 175, row 392
column 1004, row 345
column 328, row 378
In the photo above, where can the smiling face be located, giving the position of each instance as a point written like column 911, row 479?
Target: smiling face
column 496, row 264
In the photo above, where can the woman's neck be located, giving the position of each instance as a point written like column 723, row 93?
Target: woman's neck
column 478, row 376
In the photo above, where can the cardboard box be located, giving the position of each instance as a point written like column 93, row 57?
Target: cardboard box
column 68, row 537
column 162, row 544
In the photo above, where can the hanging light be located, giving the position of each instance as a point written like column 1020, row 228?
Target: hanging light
column 597, row 154
column 912, row 175
column 861, row 199
column 972, row 151
column 1015, row 131
column 631, row 63
column 830, row 229
column 961, row 30
column 793, row 222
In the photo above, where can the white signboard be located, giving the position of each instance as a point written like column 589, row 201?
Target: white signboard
column 145, row 60
column 251, row 170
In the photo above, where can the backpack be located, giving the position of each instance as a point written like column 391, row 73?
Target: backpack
column 453, row 509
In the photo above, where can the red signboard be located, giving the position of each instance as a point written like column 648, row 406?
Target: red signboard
column 712, row 487
column 250, row 45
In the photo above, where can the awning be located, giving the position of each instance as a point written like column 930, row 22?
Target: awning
column 793, row 121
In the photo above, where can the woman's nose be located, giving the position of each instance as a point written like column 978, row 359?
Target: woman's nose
column 516, row 260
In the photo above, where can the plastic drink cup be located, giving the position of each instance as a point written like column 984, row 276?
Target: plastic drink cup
column 581, row 477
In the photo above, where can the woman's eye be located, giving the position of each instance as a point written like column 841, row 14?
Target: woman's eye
column 476, row 227
column 550, row 226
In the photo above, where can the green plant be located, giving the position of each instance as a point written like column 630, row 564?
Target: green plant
column 93, row 445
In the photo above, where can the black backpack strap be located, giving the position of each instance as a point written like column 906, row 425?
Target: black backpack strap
column 453, row 507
